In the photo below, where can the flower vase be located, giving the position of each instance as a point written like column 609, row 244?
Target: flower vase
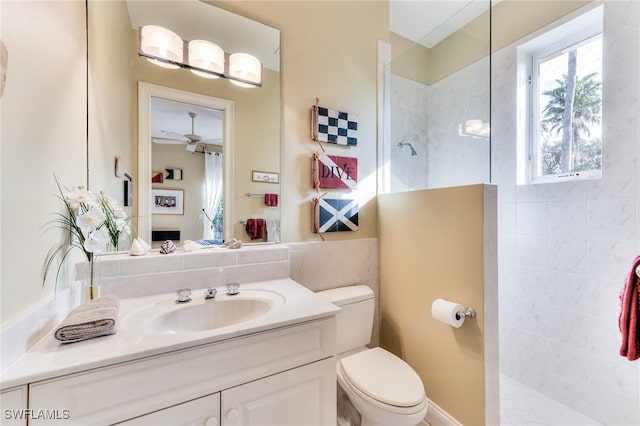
column 92, row 286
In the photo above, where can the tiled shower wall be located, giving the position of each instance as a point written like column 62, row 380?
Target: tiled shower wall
column 455, row 157
column 566, row 248
column 409, row 123
column 432, row 118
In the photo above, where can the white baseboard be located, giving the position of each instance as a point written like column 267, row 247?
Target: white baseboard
column 436, row 416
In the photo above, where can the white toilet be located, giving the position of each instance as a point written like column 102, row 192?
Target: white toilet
column 383, row 388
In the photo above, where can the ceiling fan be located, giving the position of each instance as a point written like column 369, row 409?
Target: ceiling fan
column 187, row 138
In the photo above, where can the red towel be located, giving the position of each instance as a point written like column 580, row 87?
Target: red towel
column 629, row 313
column 255, row 228
column 271, row 200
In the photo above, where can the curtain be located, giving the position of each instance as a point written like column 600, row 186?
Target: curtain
column 212, row 191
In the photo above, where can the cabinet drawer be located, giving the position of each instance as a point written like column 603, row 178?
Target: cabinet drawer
column 120, row 392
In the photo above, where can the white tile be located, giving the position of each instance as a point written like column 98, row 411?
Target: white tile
column 531, row 193
column 151, row 263
column 533, row 369
column 257, row 272
column 604, row 300
column 531, row 283
column 568, row 191
column 610, row 259
column 568, row 363
column 532, row 219
column 531, row 251
column 573, row 394
column 522, row 406
column 612, row 218
column 567, row 219
column 614, row 391
column 532, row 315
column 274, row 253
column 210, row 258
column 568, row 291
column 571, row 328
column 604, row 337
column 568, row 255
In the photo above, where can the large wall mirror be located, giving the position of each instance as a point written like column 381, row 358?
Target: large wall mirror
column 149, row 117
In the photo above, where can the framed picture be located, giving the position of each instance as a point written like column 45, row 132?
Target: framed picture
column 157, row 177
column 267, row 177
column 167, row 201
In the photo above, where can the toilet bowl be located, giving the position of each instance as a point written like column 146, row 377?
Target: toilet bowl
column 383, row 388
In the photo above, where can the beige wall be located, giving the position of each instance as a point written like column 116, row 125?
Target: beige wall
column 462, row 48
column 410, row 60
column 43, row 131
column 329, row 50
column 431, row 246
column 511, row 20
column 192, row 183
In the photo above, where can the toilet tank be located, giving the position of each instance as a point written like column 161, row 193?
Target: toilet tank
column 355, row 320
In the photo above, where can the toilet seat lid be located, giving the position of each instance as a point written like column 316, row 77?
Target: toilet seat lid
column 384, row 377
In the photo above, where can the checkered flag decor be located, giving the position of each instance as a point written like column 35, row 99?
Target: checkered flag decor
column 335, row 215
column 334, row 126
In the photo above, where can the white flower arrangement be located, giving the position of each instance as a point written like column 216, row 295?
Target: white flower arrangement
column 93, row 222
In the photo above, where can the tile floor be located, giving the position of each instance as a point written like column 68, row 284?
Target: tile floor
column 523, row 406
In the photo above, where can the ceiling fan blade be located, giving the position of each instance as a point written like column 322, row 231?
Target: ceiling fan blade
column 173, row 135
column 212, row 141
column 167, row 141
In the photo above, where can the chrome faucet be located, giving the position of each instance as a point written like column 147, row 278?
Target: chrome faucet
column 210, row 293
column 183, row 295
column 233, row 289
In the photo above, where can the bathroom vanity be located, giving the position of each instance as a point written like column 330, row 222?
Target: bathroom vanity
column 277, row 368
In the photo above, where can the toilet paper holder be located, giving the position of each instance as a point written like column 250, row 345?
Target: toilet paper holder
column 467, row 313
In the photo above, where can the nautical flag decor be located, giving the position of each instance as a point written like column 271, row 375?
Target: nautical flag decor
column 335, row 215
column 332, row 171
column 333, row 126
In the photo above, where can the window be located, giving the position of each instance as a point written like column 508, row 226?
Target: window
column 564, row 105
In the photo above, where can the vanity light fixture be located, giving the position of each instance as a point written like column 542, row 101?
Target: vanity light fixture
column 165, row 48
column 161, row 46
column 208, row 56
column 243, row 66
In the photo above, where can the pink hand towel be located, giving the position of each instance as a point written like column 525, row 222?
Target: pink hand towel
column 629, row 313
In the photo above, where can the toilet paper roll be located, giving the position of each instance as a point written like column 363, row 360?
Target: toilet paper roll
column 447, row 312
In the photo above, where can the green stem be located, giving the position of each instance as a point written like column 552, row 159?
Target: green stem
column 91, row 279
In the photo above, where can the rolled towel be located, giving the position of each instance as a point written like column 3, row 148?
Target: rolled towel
column 95, row 318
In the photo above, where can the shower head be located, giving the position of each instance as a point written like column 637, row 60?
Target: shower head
column 413, row 151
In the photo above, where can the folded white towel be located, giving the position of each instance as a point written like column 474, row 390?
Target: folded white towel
column 95, row 318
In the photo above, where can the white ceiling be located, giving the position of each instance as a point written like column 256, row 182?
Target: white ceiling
column 428, row 22
column 173, row 117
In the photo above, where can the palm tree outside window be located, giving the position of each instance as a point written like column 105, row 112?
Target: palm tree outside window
column 566, row 128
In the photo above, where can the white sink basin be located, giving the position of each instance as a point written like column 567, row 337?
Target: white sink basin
column 200, row 315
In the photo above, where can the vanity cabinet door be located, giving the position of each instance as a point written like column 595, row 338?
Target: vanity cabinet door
column 13, row 404
column 203, row 411
column 301, row 396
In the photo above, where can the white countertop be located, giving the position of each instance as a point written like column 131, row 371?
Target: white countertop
column 50, row 358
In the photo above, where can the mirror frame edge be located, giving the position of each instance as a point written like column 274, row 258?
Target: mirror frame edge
column 145, row 92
